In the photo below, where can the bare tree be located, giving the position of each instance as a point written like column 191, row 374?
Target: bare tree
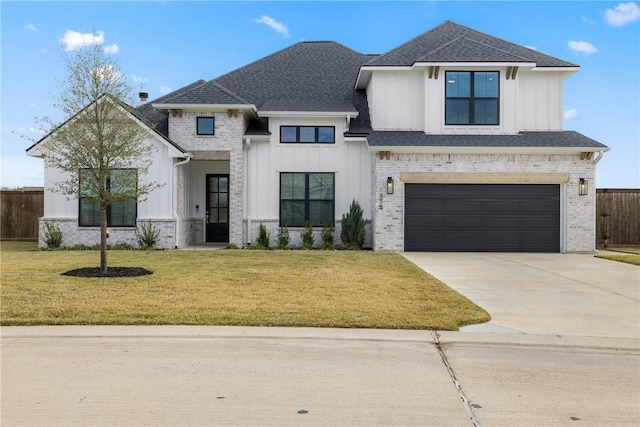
column 102, row 148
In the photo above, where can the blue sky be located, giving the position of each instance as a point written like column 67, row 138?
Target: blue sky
column 164, row 45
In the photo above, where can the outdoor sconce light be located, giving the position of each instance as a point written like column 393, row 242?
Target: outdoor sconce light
column 108, row 231
column 583, row 187
column 389, row 185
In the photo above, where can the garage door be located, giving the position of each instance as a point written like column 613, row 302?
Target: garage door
column 482, row 218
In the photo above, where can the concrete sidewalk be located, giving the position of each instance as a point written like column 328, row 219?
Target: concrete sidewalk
column 180, row 375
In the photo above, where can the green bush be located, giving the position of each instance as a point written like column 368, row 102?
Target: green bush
column 307, row 236
column 52, row 235
column 353, row 231
column 231, row 246
column 283, row 238
column 327, row 237
column 264, row 238
column 147, row 235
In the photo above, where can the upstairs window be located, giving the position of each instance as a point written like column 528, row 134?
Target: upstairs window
column 472, row 97
column 307, row 197
column 122, row 213
column 307, row 134
column 205, row 126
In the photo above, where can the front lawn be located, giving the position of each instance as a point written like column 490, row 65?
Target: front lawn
column 230, row 287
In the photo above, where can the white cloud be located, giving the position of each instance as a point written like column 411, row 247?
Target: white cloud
column 73, row 40
column 279, row 27
column 30, row 27
column 531, row 47
column 570, row 114
column 582, row 46
column 139, row 79
column 587, row 20
column 109, row 73
column 622, row 14
column 111, row 49
column 164, row 90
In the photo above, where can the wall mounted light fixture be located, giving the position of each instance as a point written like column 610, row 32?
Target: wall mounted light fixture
column 389, row 185
column 583, row 187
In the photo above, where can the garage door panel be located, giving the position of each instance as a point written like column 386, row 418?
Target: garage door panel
column 482, row 217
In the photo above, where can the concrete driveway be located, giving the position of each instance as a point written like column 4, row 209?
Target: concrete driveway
column 549, row 294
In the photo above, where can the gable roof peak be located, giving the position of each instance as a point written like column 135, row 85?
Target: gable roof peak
column 452, row 42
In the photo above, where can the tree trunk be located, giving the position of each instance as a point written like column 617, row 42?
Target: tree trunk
column 103, row 239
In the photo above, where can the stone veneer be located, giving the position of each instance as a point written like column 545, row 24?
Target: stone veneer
column 577, row 212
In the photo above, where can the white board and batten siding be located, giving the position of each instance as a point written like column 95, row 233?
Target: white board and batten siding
column 349, row 161
column 154, row 205
column 410, row 100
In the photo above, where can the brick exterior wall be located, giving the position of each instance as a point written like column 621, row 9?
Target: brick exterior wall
column 229, row 129
column 577, row 212
column 72, row 234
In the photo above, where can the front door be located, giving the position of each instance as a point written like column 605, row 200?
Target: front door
column 217, row 214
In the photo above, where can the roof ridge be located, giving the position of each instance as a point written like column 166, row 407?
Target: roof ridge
column 228, row 92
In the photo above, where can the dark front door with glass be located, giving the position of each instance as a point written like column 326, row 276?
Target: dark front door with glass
column 217, row 214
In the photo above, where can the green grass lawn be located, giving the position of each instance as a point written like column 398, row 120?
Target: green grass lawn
column 346, row 289
column 630, row 255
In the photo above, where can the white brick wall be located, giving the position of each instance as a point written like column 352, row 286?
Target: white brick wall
column 229, row 129
column 578, row 214
column 72, row 234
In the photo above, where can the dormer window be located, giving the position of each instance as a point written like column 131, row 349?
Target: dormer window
column 472, row 97
column 205, row 126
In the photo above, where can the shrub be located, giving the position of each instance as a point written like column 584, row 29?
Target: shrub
column 307, row 236
column 327, row 237
column 263, row 237
column 353, row 232
column 52, row 235
column 283, row 238
column 231, row 246
column 147, row 235
column 122, row 247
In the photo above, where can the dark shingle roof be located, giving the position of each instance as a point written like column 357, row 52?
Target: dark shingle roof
column 543, row 139
column 319, row 74
column 342, row 106
column 451, row 42
column 157, row 119
column 207, row 93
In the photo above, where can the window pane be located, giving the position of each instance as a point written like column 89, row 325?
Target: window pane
column 326, row 134
column 292, row 186
column 486, row 112
column 213, row 200
column 321, row 213
column 457, row 112
column 89, row 213
column 292, row 213
column 458, row 84
column 307, row 134
column 85, row 183
column 223, row 217
column 123, row 181
column 288, row 134
column 486, row 84
column 205, row 126
column 222, row 200
column 223, row 184
column 320, row 186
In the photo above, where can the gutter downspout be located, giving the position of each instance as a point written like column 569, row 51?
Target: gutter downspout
column 175, row 191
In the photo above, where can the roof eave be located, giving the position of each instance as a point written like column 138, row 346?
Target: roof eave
column 340, row 114
column 487, row 150
column 204, row 107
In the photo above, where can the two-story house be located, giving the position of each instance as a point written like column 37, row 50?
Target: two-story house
column 452, row 141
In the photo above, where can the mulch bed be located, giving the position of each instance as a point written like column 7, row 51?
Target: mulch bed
column 111, row 272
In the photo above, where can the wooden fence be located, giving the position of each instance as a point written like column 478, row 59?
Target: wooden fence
column 617, row 217
column 20, row 212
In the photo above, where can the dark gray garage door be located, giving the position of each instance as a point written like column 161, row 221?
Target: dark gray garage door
column 482, row 218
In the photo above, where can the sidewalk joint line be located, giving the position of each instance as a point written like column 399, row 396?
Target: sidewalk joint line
column 456, row 383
